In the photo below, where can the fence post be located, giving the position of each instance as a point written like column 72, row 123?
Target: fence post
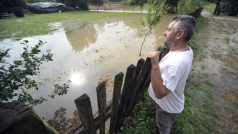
column 126, row 93
column 146, row 72
column 145, row 79
column 115, row 101
column 84, row 107
column 101, row 97
column 137, row 82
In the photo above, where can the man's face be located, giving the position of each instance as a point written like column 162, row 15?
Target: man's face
column 170, row 34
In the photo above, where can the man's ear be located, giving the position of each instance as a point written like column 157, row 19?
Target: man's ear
column 180, row 34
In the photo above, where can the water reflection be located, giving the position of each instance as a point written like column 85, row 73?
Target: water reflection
column 94, row 52
column 77, row 78
column 63, row 124
column 82, row 37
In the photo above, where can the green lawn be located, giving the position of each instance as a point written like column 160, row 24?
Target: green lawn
column 38, row 24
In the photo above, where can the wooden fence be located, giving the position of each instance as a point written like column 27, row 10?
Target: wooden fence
column 125, row 97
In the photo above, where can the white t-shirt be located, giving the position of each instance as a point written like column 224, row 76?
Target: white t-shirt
column 175, row 68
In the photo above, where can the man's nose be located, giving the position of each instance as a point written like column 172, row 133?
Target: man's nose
column 165, row 33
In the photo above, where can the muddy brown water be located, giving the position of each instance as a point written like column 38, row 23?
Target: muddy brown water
column 83, row 56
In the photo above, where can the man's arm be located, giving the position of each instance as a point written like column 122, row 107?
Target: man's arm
column 156, row 80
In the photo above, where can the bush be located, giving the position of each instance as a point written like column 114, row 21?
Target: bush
column 16, row 78
column 186, row 6
column 229, row 8
column 81, row 4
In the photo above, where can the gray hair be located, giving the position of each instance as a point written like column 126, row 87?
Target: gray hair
column 185, row 23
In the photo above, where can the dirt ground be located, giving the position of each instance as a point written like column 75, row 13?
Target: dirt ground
column 220, row 66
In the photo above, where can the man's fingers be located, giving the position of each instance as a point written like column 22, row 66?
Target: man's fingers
column 158, row 52
column 153, row 54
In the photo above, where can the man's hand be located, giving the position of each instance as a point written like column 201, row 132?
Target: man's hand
column 156, row 80
column 154, row 58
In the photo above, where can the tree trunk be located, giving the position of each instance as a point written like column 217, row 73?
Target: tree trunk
column 217, row 7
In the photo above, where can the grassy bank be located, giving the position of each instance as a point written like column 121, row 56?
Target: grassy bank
column 38, row 24
column 198, row 112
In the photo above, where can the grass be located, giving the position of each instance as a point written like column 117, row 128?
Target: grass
column 196, row 40
column 142, row 119
column 209, row 7
column 122, row 6
column 234, row 40
column 38, row 24
column 227, row 39
column 198, row 112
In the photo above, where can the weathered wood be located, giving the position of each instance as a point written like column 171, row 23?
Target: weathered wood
column 136, row 82
column 115, row 101
column 84, row 107
column 145, row 77
column 81, row 130
column 126, row 93
column 101, row 96
column 163, row 51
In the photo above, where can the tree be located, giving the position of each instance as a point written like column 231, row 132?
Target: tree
column 226, row 7
column 217, row 5
column 81, row 4
column 12, row 6
column 186, row 6
column 97, row 3
column 156, row 10
column 63, row 124
column 32, row 1
column 171, row 5
column 16, row 78
column 140, row 3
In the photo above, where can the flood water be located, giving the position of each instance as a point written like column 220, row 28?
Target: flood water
column 83, row 56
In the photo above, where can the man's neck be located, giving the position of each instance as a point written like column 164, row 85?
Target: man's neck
column 181, row 46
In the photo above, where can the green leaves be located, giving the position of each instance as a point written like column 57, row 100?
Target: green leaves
column 16, row 79
column 157, row 9
column 186, row 6
column 60, row 89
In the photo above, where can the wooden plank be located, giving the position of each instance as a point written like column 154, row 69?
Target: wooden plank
column 101, row 97
column 126, row 93
column 115, row 101
column 146, row 77
column 81, row 130
column 84, row 108
column 163, row 51
column 139, row 81
column 136, row 82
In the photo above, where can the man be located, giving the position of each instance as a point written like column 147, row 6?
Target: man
column 168, row 77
